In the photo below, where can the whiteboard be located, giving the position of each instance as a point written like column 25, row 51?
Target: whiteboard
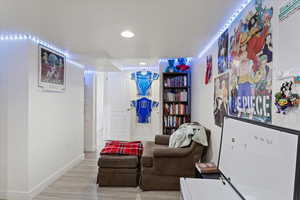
column 260, row 161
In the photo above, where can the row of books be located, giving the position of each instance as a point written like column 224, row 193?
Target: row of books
column 176, row 96
column 207, row 168
column 179, row 81
column 175, row 121
column 169, row 131
column 176, row 109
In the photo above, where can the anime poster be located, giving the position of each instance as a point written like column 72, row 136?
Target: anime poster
column 209, row 67
column 221, row 92
column 223, row 53
column 51, row 69
column 251, row 62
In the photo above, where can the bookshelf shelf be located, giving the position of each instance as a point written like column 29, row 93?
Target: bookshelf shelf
column 175, row 127
column 180, row 115
column 176, row 101
column 170, row 88
column 176, row 74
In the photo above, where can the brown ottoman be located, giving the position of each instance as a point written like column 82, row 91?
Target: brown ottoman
column 121, row 171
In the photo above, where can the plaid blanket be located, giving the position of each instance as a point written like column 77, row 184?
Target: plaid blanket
column 122, row 148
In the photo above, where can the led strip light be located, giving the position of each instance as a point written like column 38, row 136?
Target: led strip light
column 225, row 27
column 37, row 40
column 188, row 60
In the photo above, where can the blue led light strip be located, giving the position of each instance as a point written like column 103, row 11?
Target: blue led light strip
column 225, row 27
column 37, row 40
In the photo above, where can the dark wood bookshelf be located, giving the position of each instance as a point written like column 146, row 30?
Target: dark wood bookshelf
column 176, row 101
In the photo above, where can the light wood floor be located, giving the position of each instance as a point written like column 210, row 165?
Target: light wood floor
column 80, row 184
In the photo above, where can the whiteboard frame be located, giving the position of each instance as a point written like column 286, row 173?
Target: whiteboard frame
column 281, row 129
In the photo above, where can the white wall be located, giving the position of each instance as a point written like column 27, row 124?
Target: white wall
column 100, row 114
column 286, row 49
column 287, row 59
column 94, row 116
column 90, row 99
column 55, row 124
column 3, row 120
column 44, row 130
column 203, row 98
column 3, row 136
column 15, row 60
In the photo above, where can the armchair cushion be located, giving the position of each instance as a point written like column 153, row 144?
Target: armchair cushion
column 162, row 139
column 147, row 158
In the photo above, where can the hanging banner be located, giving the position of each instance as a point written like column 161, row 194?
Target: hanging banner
column 209, row 68
column 289, row 9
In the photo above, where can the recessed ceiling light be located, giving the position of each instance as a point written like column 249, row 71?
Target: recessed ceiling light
column 143, row 63
column 127, row 34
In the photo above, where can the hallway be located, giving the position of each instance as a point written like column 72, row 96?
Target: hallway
column 80, row 184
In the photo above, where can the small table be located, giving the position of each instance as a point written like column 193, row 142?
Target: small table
column 206, row 175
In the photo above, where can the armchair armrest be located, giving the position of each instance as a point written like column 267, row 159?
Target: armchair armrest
column 178, row 162
column 171, row 152
column 162, row 139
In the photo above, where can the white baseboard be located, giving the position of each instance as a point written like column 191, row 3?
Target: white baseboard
column 2, row 195
column 20, row 195
column 51, row 179
column 93, row 149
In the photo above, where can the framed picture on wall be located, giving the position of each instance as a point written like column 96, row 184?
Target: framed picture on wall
column 52, row 70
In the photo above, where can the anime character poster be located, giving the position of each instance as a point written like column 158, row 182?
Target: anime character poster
column 209, row 68
column 221, row 91
column 251, row 62
column 51, row 70
column 223, row 53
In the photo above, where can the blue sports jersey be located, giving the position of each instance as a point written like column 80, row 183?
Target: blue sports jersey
column 143, row 109
column 144, row 81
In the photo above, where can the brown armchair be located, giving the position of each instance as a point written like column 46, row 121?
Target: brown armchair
column 162, row 167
